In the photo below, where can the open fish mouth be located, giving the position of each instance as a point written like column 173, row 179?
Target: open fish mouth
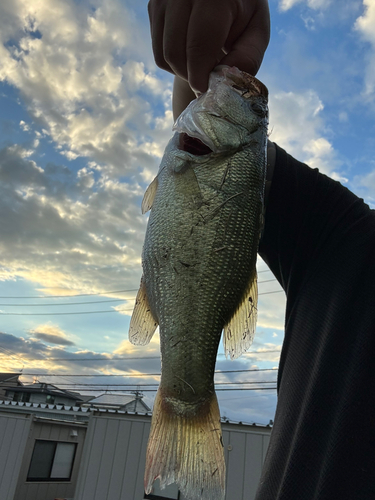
column 193, row 145
column 193, row 138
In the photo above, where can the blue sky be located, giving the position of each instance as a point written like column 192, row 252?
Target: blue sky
column 84, row 118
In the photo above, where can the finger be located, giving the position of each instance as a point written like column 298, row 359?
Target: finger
column 205, row 38
column 156, row 16
column 181, row 97
column 176, row 24
column 248, row 50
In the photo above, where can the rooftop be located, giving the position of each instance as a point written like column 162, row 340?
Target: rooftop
column 47, row 389
column 76, row 410
column 7, row 377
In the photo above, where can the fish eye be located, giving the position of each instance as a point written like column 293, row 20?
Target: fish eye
column 241, row 89
column 259, row 110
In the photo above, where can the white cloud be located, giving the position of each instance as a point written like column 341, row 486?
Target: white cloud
column 288, row 4
column 65, row 230
column 296, row 125
column 80, row 73
column 52, row 334
column 339, row 178
column 80, row 80
column 365, row 25
column 365, row 185
column 39, row 357
column 285, row 5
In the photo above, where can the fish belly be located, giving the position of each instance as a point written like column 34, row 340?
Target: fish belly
column 199, row 267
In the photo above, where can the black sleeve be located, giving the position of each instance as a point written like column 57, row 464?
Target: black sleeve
column 308, row 216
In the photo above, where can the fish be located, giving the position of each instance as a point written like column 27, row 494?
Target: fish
column 199, row 273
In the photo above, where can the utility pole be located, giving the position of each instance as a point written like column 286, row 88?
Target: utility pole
column 138, row 396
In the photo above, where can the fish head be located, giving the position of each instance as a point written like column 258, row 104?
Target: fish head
column 227, row 116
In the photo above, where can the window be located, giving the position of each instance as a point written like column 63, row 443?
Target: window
column 50, row 400
column 51, row 461
column 21, row 396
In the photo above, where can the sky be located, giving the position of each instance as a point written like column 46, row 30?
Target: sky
column 84, row 118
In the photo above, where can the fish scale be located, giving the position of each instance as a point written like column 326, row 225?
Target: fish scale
column 199, row 274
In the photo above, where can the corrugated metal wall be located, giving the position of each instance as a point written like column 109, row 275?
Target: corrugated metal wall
column 114, row 457
column 51, row 431
column 14, row 430
column 245, row 450
column 113, row 460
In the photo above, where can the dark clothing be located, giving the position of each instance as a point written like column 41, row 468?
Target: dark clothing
column 319, row 241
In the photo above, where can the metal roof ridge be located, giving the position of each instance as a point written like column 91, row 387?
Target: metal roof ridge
column 87, row 410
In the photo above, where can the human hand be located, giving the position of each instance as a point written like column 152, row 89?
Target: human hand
column 191, row 37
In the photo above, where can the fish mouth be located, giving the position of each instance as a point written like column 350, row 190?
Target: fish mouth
column 193, row 145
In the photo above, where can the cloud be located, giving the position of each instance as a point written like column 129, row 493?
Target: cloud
column 104, row 371
column 76, row 83
column 365, row 26
column 365, row 23
column 51, row 334
column 127, row 348
column 296, row 124
column 17, row 352
column 87, row 78
column 365, row 185
column 68, row 230
column 285, row 5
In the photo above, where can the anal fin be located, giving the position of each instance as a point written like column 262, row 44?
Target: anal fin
column 240, row 330
column 142, row 323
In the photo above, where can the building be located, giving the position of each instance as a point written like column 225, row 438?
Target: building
column 52, row 452
column 122, row 402
column 8, row 380
column 43, row 393
column 40, row 450
column 115, row 450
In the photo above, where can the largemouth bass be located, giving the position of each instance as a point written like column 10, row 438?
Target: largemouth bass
column 199, row 274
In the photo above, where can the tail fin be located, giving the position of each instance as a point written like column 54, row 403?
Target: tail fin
column 186, row 450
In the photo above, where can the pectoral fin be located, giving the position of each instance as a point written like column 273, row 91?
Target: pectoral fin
column 239, row 332
column 142, row 323
column 149, row 196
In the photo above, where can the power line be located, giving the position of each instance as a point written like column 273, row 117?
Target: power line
column 82, row 294
column 78, row 385
column 81, row 303
column 68, row 303
column 246, row 389
column 63, row 313
column 65, row 296
column 92, row 312
column 250, row 353
column 93, row 359
column 139, row 374
column 218, row 389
